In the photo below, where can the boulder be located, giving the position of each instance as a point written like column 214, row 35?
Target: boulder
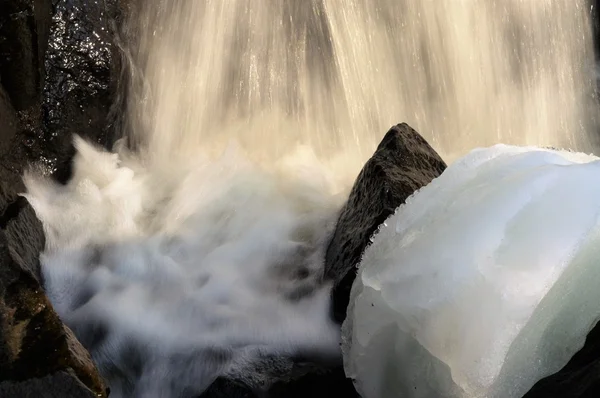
column 39, row 356
column 58, row 66
column 403, row 163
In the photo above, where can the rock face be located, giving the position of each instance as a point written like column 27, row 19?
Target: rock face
column 39, row 356
column 57, row 77
column 59, row 71
column 403, row 163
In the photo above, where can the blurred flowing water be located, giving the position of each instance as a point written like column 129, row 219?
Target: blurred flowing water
column 336, row 75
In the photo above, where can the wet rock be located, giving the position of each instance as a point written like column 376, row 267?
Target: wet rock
column 80, row 84
column 58, row 76
column 39, row 356
column 24, row 27
column 59, row 66
column 403, row 163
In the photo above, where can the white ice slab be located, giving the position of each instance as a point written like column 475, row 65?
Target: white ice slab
column 483, row 282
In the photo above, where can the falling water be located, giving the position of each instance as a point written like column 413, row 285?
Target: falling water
column 335, row 75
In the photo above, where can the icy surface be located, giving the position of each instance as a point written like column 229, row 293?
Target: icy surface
column 483, row 282
column 173, row 274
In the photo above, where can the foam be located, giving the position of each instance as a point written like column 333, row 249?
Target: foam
column 174, row 274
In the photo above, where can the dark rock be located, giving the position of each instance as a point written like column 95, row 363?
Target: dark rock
column 403, row 163
column 580, row 378
column 8, row 122
column 22, row 47
column 58, row 65
column 284, row 377
column 39, row 356
column 58, row 385
column 80, row 84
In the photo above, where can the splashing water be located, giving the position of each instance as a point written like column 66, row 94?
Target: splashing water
column 189, row 258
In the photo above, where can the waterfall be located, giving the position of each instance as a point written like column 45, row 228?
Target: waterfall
column 335, row 75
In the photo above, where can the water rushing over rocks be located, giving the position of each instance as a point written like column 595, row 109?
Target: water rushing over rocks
column 315, row 81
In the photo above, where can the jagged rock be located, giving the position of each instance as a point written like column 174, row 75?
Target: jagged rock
column 58, row 66
column 39, row 356
column 403, row 163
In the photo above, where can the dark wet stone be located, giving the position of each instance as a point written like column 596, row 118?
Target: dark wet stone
column 62, row 383
column 37, row 352
column 23, row 34
column 403, row 163
column 8, row 122
column 58, row 76
column 78, row 89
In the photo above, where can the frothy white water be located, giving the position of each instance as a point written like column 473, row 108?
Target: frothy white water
column 174, row 277
column 178, row 263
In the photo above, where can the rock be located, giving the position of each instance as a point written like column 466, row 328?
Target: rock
column 8, row 122
column 81, row 73
column 403, row 163
column 58, row 76
column 24, row 28
column 39, row 356
column 59, row 67
column 284, row 377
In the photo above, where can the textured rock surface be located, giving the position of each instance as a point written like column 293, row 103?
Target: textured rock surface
column 59, row 69
column 34, row 344
column 321, row 383
column 403, row 163
column 57, row 77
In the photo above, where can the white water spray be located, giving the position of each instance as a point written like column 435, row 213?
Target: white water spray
column 179, row 263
